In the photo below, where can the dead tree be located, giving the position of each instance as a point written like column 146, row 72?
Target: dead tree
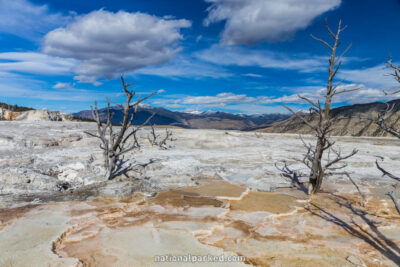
column 157, row 140
column 116, row 143
column 382, row 121
column 314, row 156
column 395, row 74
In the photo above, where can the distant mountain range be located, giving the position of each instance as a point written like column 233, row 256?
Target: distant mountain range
column 204, row 120
column 346, row 121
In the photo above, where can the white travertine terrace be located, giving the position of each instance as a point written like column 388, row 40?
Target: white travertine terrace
column 213, row 201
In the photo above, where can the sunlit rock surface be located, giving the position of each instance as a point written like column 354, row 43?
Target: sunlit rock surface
column 205, row 195
column 40, row 159
column 7, row 115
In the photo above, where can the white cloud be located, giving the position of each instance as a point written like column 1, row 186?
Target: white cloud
column 35, row 63
column 221, row 99
column 252, row 75
column 374, row 76
column 363, row 95
column 250, row 108
column 22, row 18
column 174, row 105
column 227, row 101
column 269, row 104
column 249, row 21
column 27, row 88
column 186, row 67
column 261, row 58
column 201, row 102
column 62, row 86
column 109, row 43
column 6, row 74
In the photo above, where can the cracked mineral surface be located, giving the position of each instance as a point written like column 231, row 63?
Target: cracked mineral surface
column 220, row 193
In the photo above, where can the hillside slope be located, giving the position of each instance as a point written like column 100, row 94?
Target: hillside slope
column 346, row 121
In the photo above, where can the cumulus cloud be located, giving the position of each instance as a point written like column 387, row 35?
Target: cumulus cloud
column 261, row 58
column 35, row 63
column 249, row 21
column 109, row 43
column 25, row 19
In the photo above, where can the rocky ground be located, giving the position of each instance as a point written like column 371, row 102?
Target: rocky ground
column 211, row 192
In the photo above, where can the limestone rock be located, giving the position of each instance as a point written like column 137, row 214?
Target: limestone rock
column 38, row 156
column 44, row 115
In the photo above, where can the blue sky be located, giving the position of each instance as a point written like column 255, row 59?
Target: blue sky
column 240, row 56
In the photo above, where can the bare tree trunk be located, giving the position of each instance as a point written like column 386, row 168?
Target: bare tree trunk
column 316, row 174
column 111, row 165
column 106, row 160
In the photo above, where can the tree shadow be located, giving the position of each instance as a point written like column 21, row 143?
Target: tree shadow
column 122, row 168
column 293, row 177
column 372, row 235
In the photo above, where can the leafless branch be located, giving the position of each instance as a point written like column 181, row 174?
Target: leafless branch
column 322, row 41
column 386, row 173
column 317, row 106
column 301, row 117
column 163, row 142
column 344, row 53
column 339, row 157
column 153, row 138
column 346, row 91
column 395, row 68
column 390, row 93
column 381, row 121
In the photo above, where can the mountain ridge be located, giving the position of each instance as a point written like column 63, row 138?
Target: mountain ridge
column 205, row 120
